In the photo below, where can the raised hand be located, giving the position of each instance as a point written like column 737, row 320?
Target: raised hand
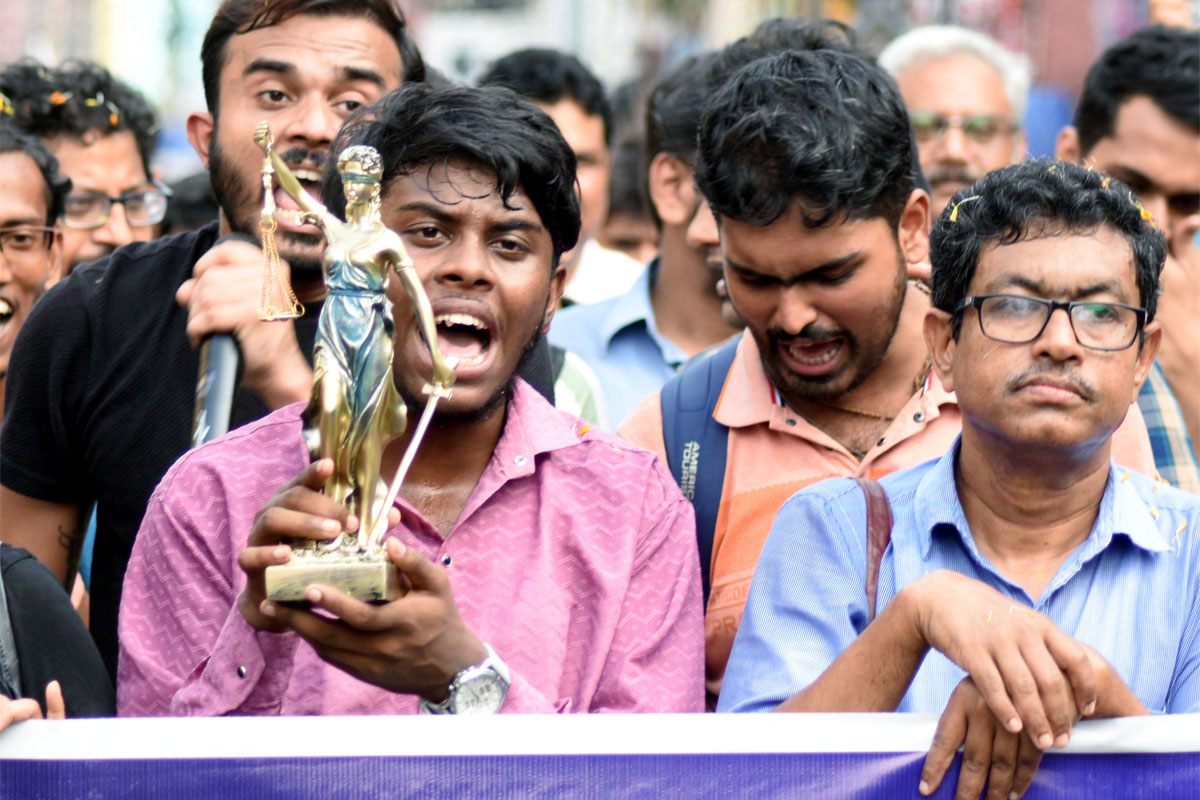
column 27, row 708
column 222, row 296
column 263, row 137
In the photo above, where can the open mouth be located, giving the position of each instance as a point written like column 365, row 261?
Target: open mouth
column 7, row 312
column 464, row 337
column 287, row 209
column 815, row 354
column 813, row 358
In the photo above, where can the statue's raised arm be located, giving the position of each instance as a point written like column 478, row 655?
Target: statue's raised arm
column 313, row 210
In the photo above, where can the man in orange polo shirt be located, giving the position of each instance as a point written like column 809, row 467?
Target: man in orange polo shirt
column 807, row 162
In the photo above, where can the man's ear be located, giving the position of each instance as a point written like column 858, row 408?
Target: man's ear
column 939, row 339
column 671, row 192
column 913, row 230
column 1066, row 146
column 558, row 282
column 58, row 265
column 200, row 126
column 1151, row 341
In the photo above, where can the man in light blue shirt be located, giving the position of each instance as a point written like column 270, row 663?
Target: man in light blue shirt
column 1049, row 583
column 636, row 341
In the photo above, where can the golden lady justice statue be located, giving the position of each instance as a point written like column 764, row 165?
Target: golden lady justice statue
column 355, row 409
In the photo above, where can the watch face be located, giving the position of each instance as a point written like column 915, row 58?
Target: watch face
column 480, row 695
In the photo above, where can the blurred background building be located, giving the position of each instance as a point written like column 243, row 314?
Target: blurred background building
column 155, row 44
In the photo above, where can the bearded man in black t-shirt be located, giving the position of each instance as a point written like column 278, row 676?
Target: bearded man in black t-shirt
column 102, row 380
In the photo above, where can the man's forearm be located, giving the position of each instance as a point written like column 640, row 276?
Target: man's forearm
column 1113, row 697
column 874, row 672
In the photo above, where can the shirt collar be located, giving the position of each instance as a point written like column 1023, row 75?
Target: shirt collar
column 531, row 427
column 1122, row 511
column 748, row 396
column 633, row 306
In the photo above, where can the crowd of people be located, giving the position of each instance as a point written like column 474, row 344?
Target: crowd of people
column 763, row 400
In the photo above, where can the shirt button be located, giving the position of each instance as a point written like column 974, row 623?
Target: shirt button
column 447, row 560
column 520, row 461
column 241, row 672
column 791, row 423
column 918, row 417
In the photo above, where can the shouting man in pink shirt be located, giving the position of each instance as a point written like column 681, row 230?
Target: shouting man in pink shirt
column 551, row 564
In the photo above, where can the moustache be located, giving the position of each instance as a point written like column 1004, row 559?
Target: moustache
column 1065, row 376
column 946, row 173
column 299, row 156
column 811, row 332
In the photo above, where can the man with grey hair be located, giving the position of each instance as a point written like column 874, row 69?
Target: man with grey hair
column 966, row 97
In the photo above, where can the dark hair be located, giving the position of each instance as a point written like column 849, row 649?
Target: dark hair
column 243, row 16
column 1033, row 199
column 1160, row 62
column 826, row 128
column 548, row 76
column 78, row 98
column 625, row 195
column 676, row 102
column 56, row 185
column 419, row 125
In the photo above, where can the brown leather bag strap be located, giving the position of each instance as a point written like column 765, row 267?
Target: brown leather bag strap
column 879, row 533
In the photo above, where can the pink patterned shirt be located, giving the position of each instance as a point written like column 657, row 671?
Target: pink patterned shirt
column 574, row 558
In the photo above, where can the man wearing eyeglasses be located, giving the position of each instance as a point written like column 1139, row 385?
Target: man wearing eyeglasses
column 31, row 200
column 102, row 131
column 966, row 96
column 1053, row 583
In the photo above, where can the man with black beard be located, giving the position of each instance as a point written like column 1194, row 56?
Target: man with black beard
column 104, row 382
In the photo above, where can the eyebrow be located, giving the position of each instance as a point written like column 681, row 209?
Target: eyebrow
column 1127, row 174
column 1042, row 290
column 344, row 73
column 440, row 214
column 816, row 272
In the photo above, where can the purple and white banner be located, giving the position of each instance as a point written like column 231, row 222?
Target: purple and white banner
column 803, row 755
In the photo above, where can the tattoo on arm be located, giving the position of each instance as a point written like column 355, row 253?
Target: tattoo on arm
column 72, row 542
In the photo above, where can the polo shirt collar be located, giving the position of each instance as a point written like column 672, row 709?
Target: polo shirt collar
column 748, row 397
column 1122, row 512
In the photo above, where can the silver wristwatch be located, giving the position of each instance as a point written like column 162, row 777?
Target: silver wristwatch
column 475, row 690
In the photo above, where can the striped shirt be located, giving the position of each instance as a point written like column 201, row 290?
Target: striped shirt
column 1173, row 452
column 1131, row 590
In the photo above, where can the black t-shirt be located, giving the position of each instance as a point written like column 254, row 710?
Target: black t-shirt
column 100, row 396
column 101, row 393
column 52, row 642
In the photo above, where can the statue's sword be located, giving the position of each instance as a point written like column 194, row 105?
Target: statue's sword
column 436, row 394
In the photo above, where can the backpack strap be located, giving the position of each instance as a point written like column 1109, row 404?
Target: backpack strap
column 689, row 432
column 879, row 533
column 10, row 675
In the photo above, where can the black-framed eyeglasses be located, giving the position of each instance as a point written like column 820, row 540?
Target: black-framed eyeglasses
column 143, row 207
column 979, row 128
column 1019, row 319
column 23, row 243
